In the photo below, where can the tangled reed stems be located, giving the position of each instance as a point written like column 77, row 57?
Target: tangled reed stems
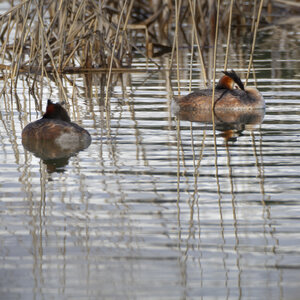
column 67, row 36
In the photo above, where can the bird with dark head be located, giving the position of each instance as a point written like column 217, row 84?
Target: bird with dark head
column 55, row 127
column 226, row 96
column 56, row 111
column 228, row 81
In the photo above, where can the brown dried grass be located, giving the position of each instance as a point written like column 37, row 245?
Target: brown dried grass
column 68, row 36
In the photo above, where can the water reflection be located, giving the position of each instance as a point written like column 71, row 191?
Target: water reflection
column 231, row 123
column 54, row 155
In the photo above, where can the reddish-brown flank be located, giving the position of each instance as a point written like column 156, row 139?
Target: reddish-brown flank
column 54, row 124
column 225, row 98
column 46, row 129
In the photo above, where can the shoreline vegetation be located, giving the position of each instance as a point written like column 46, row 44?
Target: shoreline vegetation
column 51, row 38
column 82, row 36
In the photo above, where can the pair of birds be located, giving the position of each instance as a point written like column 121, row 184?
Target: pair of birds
column 230, row 94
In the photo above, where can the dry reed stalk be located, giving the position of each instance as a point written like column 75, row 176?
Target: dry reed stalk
column 49, row 51
column 20, row 45
column 228, row 35
column 215, row 59
column 192, row 9
column 176, row 41
column 288, row 3
column 50, row 38
column 175, row 33
column 75, row 70
column 213, row 94
column 113, row 51
column 253, row 16
column 14, row 8
column 6, row 30
column 254, row 40
column 62, row 34
column 178, row 166
column 192, row 52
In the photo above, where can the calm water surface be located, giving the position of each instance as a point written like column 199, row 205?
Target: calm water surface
column 158, row 207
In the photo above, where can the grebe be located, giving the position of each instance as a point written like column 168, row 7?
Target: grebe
column 226, row 96
column 55, row 129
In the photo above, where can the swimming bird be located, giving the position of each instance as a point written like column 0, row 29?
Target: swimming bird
column 55, row 128
column 230, row 94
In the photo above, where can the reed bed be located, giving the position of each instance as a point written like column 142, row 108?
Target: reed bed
column 72, row 36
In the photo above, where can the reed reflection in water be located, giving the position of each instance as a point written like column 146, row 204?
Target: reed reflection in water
column 158, row 206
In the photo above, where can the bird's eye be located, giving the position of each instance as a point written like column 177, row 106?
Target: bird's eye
column 236, row 86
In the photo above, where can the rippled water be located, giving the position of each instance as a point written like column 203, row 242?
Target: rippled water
column 157, row 207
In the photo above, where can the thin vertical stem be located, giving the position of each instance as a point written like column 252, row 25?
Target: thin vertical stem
column 228, row 35
column 215, row 55
column 254, row 39
column 45, row 38
column 213, row 94
column 113, row 52
column 198, row 43
column 175, row 42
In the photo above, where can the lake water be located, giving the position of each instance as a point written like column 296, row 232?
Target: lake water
column 158, row 206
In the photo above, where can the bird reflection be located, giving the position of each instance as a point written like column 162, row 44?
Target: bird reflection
column 54, row 156
column 54, row 138
column 231, row 123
